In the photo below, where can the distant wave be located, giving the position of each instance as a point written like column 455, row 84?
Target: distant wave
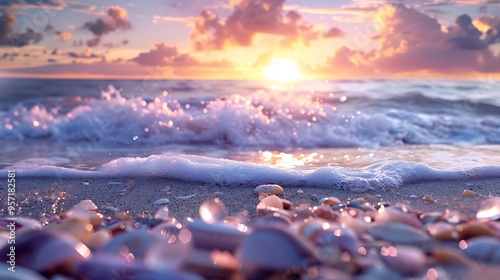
column 263, row 119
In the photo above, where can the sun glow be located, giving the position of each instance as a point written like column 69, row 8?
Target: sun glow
column 282, row 70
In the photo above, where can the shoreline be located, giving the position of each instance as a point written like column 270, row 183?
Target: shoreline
column 39, row 197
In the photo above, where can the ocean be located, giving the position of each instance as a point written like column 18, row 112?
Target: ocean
column 354, row 133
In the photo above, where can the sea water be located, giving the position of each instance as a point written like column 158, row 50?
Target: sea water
column 355, row 134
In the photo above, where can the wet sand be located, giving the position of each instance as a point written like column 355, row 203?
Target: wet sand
column 38, row 197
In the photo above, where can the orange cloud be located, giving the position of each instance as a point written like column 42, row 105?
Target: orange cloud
column 248, row 19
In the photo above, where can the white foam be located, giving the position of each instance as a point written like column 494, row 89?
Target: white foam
column 387, row 175
column 264, row 119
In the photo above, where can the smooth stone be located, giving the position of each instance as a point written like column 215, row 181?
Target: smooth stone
column 484, row 249
column 212, row 264
column 78, row 227
column 489, row 209
column 442, row 231
column 326, row 273
column 271, row 201
column 122, row 216
column 47, row 250
column 407, row 260
column 379, row 273
column 98, row 239
column 398, row 233
column 449, row 255
column 469, row 193
column 286, row 204
column 324, row 211
column 213, row 210
column 428, row 198
column 215, row 236
column 269, row 188
column 273, row 249
column 331, row 200
column 474, row 229
column 161, row 201
column 135, row 244
column 389, row 215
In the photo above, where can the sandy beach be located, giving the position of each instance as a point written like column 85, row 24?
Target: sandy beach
column 36, row 196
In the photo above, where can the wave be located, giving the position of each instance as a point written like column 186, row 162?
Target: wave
column 262, row 120
column 387, row 175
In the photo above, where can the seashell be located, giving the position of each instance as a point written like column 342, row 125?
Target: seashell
column 469, row 193
column 213, row 210
column 212, row 264
column 325, row 212
column 78, row 227
column 162, row 214
column 134, row 244
column 47, row 250
column 483, row 249
column 161, row 201
column 216, row 235
column 407, row 260
column 98, row 239
column 269, row 188
column 330, row 201
column 271, row 201
column 20, row 273
column 86, row 205
column 489, row 209
column 442, row 231
column 275, row 250
column 390, row 214
column 474, row 229
column 398, row 233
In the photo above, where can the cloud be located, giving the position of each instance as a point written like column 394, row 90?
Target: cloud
column 62, row 36
column 116, row 19
column 411, row 41
column 10, row 56
column 13, row 38
column 93, row 42
column 248, row 19
column 51, row 60
column 124, row 42
column 333, row 32
column 165, row 55
column 85, row 55
column 32, row 3
column 490, row 25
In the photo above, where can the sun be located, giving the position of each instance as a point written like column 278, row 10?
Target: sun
column 282, row 70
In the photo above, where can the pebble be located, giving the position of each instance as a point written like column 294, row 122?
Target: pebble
column 269, row 188
column 428, row 198
column 271, row 201
column 407, row 260
column 469, row 193
column 489, row 209
column 398, row 233
column 413, row 196
column 161, row 201
column 123, row 216
column 484, row 249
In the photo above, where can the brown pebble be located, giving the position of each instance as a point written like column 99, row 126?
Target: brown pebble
column 469, row 193
column 286, row 204
column 269, row 188
column 448, row 255
column 332, row 201
column 263, row 195
column 96, row 220
column 428, row 198
column 466, row 231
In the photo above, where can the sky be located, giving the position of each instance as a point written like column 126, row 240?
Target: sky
column 236, row 39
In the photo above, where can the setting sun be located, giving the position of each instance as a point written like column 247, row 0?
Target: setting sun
column 282, row 70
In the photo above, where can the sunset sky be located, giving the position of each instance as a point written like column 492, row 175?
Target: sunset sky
column 235, row 39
